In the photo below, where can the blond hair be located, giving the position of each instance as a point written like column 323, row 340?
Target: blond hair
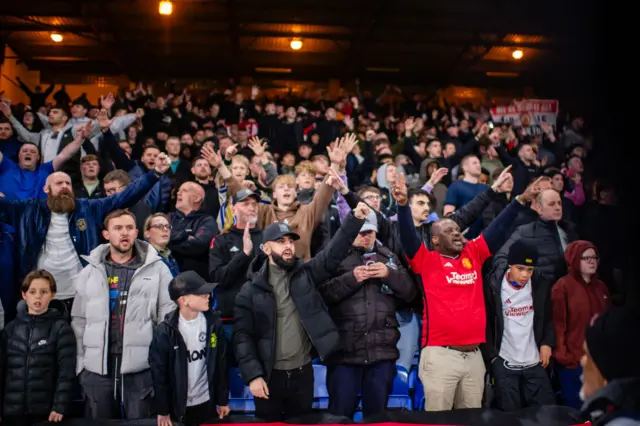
column 283, row 180
column 305, row 166
column 240, row 159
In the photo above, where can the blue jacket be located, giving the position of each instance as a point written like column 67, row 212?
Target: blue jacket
column 158, row 197
column 31, row 219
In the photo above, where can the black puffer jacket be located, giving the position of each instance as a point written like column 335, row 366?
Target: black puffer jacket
column 170, row 369
column 254, row 319
column 38, row 364
column 191, row 236
column 544, row 236
column 364, row 314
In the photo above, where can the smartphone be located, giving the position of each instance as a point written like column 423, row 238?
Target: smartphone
column 369, row 258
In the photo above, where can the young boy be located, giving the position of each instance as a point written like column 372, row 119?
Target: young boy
column 188, row 356
column 38, row 357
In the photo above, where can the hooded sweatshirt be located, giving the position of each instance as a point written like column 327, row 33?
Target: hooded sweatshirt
column 574, row 304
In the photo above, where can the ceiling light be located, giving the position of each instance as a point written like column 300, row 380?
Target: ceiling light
column 296, row 44
column 517, row 54
column 165, row 7
column 56, row 37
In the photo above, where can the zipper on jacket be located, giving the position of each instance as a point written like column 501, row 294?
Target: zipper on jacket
column 26, row 366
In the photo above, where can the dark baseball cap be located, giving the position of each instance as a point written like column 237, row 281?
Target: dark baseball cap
column 277, row 230
column 189, row 282
column 244, row 194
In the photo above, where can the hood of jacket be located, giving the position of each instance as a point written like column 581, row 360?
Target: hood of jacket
column 141, row 249
column 23, row 313
column 572, row 255
column 381, row 176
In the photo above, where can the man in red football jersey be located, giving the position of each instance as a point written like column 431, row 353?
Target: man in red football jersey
column 451, row 365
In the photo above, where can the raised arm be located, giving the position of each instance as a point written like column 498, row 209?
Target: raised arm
column 23, row 134
column 132, row 193
column 473, row 210
column 71, row 149
column 409, row 237
column 496, row 233
column 324, row 265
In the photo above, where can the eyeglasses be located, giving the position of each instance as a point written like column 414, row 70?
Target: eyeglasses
column 161, row 226
column 112, row 191
column 372, row 198
column 587, row 258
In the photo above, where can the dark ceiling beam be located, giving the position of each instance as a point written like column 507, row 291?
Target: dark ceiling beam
column 29, row 27
column 218, row 37
column 39, row 8
column 48, row 27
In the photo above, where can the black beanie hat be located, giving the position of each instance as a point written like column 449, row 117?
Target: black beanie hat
column 522, row 253
column 613, row 341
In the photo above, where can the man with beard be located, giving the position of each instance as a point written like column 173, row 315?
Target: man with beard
column 201, row 171
column 279, row 319
column 53, row 233
column 121, row 294
column 451, row 365
column 27, row 178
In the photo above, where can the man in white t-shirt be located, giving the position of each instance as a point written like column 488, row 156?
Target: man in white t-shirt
column 520, row 332
column 191, row 337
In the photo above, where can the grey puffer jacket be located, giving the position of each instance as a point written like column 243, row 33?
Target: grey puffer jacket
column 147, row 304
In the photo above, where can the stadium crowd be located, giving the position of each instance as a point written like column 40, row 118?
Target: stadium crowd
column 153, row 243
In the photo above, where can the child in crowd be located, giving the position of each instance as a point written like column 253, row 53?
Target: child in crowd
column 38, row 357
column 188, row 356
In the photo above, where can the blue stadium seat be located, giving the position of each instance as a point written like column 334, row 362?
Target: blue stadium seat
column 413, row 377
column 240, row 398
column 416, row 358
column 320, row 392
column 399, row 397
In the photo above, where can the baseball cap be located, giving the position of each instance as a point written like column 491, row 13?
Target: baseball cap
column 244, row 194
column 277, row 230
column 189, row 282
column 370, row 223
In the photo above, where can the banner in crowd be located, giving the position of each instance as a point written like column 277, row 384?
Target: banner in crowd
column 528, row 114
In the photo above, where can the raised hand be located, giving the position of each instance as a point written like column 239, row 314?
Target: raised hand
column 361, row 211
column 334, row 180
column 214, row 158
column 258, row 146
column 231, row 151
column 5, row 109
column 247, row 244
column 437, row 176
column 504, row 177
column 103, row 119
column 108, row 101
column 531, row 192
column 162, row 163
column 408, row 125
column 399, row 191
